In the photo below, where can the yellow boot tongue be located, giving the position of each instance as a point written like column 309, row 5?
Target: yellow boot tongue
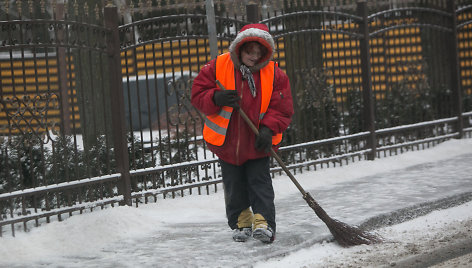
column 259, row 221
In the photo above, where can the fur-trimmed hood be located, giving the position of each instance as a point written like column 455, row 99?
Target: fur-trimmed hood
column 249, row 33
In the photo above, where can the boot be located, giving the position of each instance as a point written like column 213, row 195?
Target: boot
column 244, row 230
column 242, row 234
column 261, row 230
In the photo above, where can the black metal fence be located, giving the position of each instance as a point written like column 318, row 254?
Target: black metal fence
column 94, row 113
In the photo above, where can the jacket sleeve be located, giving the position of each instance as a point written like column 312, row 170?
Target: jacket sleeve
column 203, row 89
column 280, row 111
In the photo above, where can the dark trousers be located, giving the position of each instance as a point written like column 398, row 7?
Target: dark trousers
column 248, row 185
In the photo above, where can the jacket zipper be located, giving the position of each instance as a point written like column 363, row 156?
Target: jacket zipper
column 239, row 127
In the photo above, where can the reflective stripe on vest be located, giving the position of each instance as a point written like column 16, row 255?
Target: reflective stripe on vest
column 216, row 125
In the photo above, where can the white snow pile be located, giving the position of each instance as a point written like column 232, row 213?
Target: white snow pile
column 419, row 236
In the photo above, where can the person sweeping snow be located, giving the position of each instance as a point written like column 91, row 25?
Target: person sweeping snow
column 261, row 89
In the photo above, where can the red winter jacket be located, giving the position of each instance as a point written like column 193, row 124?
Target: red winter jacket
column 239, row 142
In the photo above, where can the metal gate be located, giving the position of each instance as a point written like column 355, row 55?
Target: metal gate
column 95, row 114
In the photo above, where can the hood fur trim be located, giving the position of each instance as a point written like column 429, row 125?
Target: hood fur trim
column 248, row 35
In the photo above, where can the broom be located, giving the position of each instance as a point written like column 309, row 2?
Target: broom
column 345, row 234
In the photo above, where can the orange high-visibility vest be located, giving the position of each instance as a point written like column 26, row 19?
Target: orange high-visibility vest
column 216, row 125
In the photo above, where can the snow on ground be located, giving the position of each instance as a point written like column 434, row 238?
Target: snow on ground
column 418, row 236
column 96, row 237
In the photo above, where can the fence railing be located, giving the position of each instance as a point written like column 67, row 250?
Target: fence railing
column 99, row 115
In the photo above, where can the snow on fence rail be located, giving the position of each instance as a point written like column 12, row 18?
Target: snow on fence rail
column 172, row 189
column 41, row 209
column 417, row 125
column 407, row 136
column 333, row 159
column 389, row 139
column 417, row 142
column 59, row 211
column 144, row 171
column 60, row 186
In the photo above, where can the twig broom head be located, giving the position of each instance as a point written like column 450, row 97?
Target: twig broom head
column 343, row 233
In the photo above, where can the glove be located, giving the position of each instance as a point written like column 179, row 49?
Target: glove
column 264, row 139
column 226, row 98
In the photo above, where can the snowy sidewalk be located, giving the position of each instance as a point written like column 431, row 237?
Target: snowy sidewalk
column 192, row 231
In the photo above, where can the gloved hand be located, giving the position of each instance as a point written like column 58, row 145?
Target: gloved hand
column 226, row 98
column 264, row 139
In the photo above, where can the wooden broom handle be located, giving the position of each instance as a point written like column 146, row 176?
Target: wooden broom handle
column 272, row 152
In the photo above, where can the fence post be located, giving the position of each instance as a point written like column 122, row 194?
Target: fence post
column 252, row 12
column 211, row 24
column 368, row 103
column 117, row 103
column 62, row 72
column 455, row 70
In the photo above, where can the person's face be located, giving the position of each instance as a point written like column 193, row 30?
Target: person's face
column 251, row 54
